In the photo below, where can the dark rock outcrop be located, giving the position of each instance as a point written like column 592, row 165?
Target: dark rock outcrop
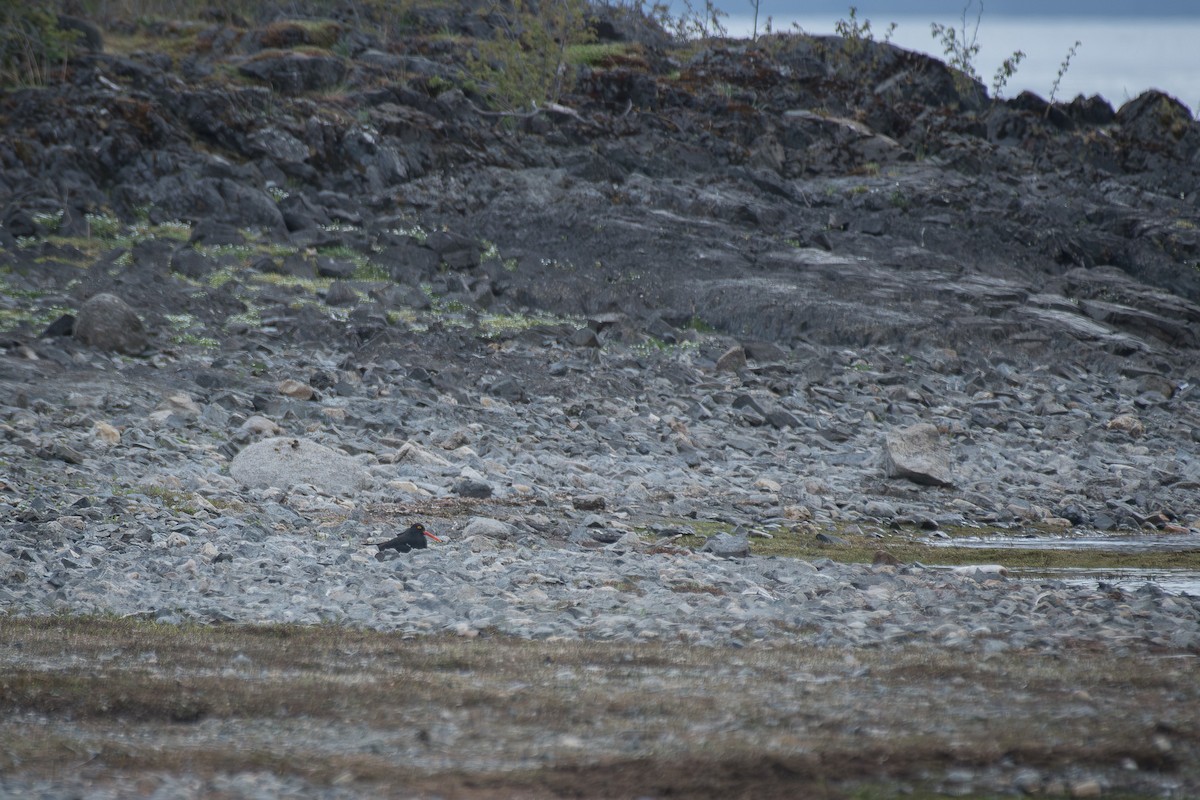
column 293, row 73
column 793, row 191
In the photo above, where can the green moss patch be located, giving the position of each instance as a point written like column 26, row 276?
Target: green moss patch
column 852, row 545
column 291, row 33
column 607, row 55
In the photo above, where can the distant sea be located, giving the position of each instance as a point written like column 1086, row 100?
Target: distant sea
column 1118, row 57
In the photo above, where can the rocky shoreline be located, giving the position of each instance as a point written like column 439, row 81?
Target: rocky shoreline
column 144, row 498
column 753, row 292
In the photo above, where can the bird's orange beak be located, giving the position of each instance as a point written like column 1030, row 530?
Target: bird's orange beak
column 431, row 536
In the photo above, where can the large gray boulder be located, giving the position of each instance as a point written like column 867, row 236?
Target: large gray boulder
column 728, row 545
column 489, row 528
column 916, row 453
column 106, row 322
column 284, row 461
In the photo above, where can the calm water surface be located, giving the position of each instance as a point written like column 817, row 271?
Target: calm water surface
column 1176, row 581
column 1118, row 58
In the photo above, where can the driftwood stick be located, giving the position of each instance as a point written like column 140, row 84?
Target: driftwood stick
column 552, row 108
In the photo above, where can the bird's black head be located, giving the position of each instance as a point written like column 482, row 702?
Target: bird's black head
column 419, row 532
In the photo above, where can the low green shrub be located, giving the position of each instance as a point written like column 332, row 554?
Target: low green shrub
column 961, row 46
column 527, row 62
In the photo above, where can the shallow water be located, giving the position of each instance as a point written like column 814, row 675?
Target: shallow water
column 1181, row 581
column 1133, row 543
column 1175, row 581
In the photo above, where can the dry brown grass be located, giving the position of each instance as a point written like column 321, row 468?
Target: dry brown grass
column 507, row 717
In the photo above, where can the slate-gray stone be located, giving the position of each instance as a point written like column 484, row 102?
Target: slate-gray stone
column 106, row 322
column 294, row 73
column 728, row 545
column 918, row 454
column 285, row 461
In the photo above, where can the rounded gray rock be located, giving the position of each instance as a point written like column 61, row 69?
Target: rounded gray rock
column 284, row 461
column 490, row 528
column 106, row 322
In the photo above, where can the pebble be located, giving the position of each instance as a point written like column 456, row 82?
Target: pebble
column 625, row 591
column 180, row 516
